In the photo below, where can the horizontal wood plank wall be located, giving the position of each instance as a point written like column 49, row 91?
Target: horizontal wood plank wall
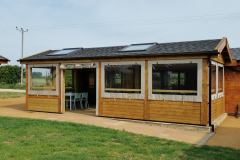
column 123, row 108
column 232, row 89
column 187, row 112
column 217, row 108
column 43, row 103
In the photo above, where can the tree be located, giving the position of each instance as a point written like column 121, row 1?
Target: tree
column 10, row 74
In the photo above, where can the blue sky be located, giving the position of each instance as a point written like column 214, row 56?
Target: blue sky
column 57, row 24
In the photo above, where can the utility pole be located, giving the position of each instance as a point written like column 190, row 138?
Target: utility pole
column 22, row 31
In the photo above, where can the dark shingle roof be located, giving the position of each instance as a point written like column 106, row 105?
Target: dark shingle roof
column 235, row 53
column 3, row 58
column 159, row 48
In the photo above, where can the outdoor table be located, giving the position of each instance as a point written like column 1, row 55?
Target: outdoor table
column 70, row 95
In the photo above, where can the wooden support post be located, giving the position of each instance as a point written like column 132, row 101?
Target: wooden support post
column 204, row 104
column 27, row 87
column 146, row 104
column 63, row 92
column 59, row 89
column 99, row 91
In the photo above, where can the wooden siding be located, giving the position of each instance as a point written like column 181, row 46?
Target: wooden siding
column 204, row 104
column 232, row 89
column 217, row 108
column 219, row 58
column 171, row 111
column 123, row 108
column 43, row 103
column 155, row 110
column 187, row 112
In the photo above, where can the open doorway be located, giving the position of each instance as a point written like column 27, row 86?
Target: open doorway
column 81, row 81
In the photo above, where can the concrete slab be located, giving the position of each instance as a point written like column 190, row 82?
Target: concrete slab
column 16, row 108
column 186, row 127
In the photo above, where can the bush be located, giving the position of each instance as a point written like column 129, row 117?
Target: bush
column 10, row 74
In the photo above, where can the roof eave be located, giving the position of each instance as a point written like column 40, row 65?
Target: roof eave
column 127, row 56
column 221, row 45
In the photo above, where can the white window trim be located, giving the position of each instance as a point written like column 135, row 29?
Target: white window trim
column 44, row 92
column 220, row 95
column 123, row 95
column 214, row 96
column 189, row 98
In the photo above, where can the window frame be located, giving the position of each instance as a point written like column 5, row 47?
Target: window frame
column 221, row 94
column 214, row 96
column 190, row 98
column 218, row 94
column 123, row 95
column 43, row 92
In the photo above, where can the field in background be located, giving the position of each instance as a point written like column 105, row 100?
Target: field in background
column 4, row 95
column 13, row 86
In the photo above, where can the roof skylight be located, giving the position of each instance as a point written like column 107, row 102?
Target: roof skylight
column 137, row 47
column 63, row 51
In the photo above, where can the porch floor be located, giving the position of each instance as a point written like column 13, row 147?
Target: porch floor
column 16, row 108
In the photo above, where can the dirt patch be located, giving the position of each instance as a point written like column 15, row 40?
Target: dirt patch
column 227, row 134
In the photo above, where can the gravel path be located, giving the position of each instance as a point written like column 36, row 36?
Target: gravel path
column 227, row 134
column 12, row 90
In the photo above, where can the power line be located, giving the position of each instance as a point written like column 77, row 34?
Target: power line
column 140, row 22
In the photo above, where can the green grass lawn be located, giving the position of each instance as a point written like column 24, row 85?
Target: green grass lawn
column 40, row 139
column 4, row 95
column 12, row 86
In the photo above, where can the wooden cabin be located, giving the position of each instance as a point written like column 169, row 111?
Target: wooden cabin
column 3, row 60
column 167, row 82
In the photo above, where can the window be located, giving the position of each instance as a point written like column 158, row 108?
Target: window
column 220, row 79
column 125, row 80
column 43, row 78
column 214, row 78
column 137, row 47
column 175, row 80
column 217, row 80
